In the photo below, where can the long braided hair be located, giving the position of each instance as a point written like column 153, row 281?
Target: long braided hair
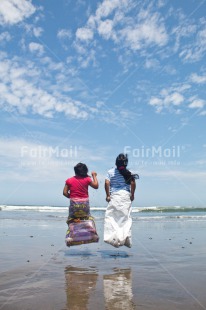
column 121, row 163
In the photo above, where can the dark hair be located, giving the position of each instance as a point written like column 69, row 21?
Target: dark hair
column 81, row 170
column 121, row 163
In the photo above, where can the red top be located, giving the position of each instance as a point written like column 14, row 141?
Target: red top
column 78, row 186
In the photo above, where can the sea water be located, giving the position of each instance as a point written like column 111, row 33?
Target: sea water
column 58, row 213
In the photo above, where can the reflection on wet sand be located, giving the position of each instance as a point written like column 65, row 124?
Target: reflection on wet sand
column 80, row 283
column 118, row 290
column 88, row 288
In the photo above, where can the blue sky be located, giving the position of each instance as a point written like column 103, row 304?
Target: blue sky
column 82, row 81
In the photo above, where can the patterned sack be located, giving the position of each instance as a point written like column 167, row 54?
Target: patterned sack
column 79, row 208
column 81, row 231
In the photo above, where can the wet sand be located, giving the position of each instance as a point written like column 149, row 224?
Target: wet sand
column 164, row 269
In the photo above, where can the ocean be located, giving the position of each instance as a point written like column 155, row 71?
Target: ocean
column 153, row 213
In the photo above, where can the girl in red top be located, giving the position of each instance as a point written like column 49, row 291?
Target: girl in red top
column 76, row 188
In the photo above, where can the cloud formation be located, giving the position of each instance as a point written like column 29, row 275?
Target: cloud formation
column 36, row 48
column 195, row 50
column 15, row 11
column 169, row 98
column 112, row 21
column 23, row 88
column 198, row 79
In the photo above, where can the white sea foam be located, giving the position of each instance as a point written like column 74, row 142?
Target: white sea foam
column 33, row 208
column 42, row 208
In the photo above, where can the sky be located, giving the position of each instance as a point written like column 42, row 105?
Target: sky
column 82, row 81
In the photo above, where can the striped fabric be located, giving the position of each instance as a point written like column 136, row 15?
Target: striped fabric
column 117, row 181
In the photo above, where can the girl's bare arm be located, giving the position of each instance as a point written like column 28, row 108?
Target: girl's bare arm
column 107, row 190
column 94, row 183
column 132, row 189
column 66, row 191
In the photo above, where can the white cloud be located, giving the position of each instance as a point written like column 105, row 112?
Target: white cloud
column 14, row 11
column 152, row 63
column 197, row 104
column 105, row 29
column 161, row 3
column 64, row 34
column 128, row 115
column 80, row 48
column 168, row 99
column 183, row 32
column 169, row 69
column 25, row 89
column 86, row 59
column 150, row 31
column 112, row 21
column 142, row 30
column 196, row 50
column 156, row 101
column 5, row 37
column 107, row 7
column 202, row 36
column 174, row 98
column 182, row 87
column 37, row 31
column 195, row 78
column 84, row 34
column 36, row 47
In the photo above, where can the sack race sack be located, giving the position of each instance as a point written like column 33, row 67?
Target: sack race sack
column 81, row 231
column 118, row 222
column 79, row 208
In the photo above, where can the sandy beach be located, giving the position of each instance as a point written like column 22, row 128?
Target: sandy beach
column 164, row 269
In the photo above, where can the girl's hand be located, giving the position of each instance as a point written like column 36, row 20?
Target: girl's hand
column 108, row 198
column 94, row 183
column 131, row 197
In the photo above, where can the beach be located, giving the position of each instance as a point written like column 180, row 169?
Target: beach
column 164, row 269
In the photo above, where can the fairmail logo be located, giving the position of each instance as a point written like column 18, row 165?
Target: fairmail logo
column 154, row 152
column 49, row 152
